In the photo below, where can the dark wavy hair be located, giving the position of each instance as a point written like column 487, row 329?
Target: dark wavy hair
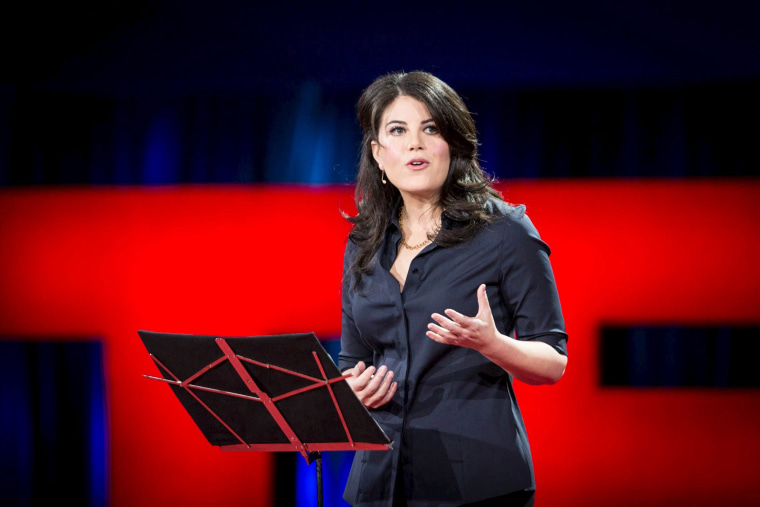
column 466, row 189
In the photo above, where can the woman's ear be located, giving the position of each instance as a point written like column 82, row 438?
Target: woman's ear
column 376, row 153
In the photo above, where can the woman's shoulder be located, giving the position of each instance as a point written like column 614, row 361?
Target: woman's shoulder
column 498, row 210
column 510, row 221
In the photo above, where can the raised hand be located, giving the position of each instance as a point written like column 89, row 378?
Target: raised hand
column 532, row 362
column 478, row 332
column 374, row 388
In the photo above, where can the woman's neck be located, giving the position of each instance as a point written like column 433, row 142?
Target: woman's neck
column 421, row 214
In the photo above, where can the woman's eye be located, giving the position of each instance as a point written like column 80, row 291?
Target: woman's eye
column 397, row 131
column 431, row 129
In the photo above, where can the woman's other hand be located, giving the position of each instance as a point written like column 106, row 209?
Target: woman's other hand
column 532, row 362
column 478, row 332
column 373, row 388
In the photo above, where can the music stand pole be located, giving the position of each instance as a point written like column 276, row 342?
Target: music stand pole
column 319, row 479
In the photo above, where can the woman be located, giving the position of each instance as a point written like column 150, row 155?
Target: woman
column 438, row 273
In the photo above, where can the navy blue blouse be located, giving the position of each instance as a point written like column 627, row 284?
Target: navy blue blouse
column 456, row 428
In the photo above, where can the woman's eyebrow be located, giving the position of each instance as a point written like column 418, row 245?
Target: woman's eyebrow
column 404, row 123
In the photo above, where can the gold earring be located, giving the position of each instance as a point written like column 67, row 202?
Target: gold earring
column 382, row 175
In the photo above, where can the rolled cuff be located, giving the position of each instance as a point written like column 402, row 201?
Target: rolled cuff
column 556, row 340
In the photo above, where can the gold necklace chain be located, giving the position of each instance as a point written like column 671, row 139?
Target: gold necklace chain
column 403, row 240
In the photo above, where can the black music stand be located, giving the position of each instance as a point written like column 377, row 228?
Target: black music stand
column 265, row 393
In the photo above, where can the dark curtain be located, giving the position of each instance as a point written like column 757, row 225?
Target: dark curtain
column 307, row 134
column 53, row 441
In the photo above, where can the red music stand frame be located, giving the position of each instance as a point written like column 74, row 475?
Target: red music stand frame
column 256, row 392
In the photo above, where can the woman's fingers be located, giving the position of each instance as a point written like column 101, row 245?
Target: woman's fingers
column 364, row 380
column 448, row 328
column 484, row 307
column 484, row 313
column 457, row 329
column 375, row 380
column 389, row 394
column 440, row 339
column 373, row 387
column 440, row 333
column 360, row 377
column 455, row 317
column 379, row 388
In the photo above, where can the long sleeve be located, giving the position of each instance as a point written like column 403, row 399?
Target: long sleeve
column 352, row 348
column 528, row 287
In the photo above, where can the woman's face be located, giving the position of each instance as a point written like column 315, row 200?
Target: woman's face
column 411, row 150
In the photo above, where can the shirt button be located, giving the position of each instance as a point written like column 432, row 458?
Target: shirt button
column 415, row 270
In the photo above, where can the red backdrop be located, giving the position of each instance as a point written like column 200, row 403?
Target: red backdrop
column 259, row 260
